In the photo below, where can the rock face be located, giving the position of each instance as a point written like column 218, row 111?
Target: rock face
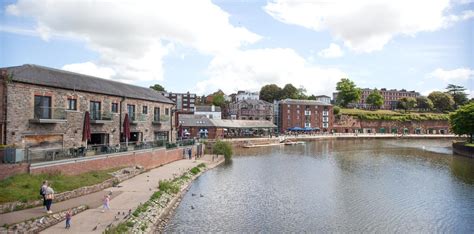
column 41, row 223
column 118, row 177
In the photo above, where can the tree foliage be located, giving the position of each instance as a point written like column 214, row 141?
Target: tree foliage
column 270, row 93
column 158, row 87
column 218, row 100
column 424, row 103
column 348, row 92
column 289, row 91
column 462, row 121
column 406, row 103
column 458, row 94
column 224, row 148
column 375, row 99
column 336, row 110
column 441, row 101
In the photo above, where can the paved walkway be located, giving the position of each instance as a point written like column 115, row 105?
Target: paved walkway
column 128, row 195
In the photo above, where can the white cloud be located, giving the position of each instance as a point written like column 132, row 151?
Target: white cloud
column 366, row 25
column 90, row 69
column 251, row 69
column 333, row 51
column 132, row 37
column 455, row 75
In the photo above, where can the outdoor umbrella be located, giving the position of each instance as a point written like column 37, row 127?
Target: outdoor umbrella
column 126, row 128
column 307, row 129
column 86, row 131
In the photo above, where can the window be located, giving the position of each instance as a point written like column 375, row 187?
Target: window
column 72, row 104
column 42, row 107
column 114, row 107
column 167, row 111
column 95, row 110
column 131, row 111
column 145, row 110
column 156, row 114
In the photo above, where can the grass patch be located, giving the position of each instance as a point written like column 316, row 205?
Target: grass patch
column 25, row 187
column 168, row 187
column 141, row 208
column 393, row 115
column 201, row 165
column 469, row 144
column 195, row 170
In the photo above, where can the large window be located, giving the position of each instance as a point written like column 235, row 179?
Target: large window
column 95, row 110
column 145, row 110
column 131, row 112
column 156, row 116
column 42, row 107
column 72, row 104
column 167, row 111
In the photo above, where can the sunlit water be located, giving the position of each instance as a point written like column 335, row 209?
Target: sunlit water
column 335, row 186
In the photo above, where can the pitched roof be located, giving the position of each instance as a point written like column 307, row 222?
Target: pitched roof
column 39, row 75
column 254, row 102
column 203, row 121
column 303, row 102
column 207, row 109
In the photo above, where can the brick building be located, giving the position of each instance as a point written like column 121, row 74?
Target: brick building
column 304, row 114
column 44, row 108
column 251, row 109
column 390, row 97
column 184, row 101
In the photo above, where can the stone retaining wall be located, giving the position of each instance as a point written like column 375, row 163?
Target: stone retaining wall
column 460, row 149
column 7, row 170
column 119, row 176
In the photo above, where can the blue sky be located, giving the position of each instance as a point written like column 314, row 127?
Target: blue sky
column 232, row 45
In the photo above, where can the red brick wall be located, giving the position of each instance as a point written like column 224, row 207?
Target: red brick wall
column 298, row 119
column 148, row 159
column 7, row 170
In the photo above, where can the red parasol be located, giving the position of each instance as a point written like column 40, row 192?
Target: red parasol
column 126, row 128
column 86, row 131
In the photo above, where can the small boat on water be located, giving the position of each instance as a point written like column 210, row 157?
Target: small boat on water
column 294, row 143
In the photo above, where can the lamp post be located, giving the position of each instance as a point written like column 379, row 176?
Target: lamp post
column 173, row 110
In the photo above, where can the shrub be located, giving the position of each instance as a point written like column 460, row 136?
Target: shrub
column 168, row 187
column 224, row 148
column 195, row 170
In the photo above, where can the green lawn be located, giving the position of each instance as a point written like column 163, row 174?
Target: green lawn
column 393, row 115
column 469, row 144
column 25, row 187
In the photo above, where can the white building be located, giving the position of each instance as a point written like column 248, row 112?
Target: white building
column 246, row 95
column 211, row 112
column 324, row 99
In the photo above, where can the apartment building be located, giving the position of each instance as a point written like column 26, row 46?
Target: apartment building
column 308, row 114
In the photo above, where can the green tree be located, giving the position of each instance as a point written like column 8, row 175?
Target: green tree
column 424, row 103
column 347, row 92
column 336, row 110
column 223, row 148
column 441, row 101
column 270, row 93
column 458, row 94
column 406, row 103
column 289, row 91
column 312, row 97
column 218, row 100
column 302, row 93
column 158, row 87
column 375, row 99
column 462, row 121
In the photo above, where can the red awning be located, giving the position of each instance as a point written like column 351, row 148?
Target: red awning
column 126, row 127
column 86, row 131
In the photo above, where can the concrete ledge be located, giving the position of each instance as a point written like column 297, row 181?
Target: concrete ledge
column 460, row 149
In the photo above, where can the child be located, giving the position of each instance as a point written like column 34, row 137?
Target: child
column 106, row 203
column 68, row 219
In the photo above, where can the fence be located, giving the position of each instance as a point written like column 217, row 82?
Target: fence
column 32, row 155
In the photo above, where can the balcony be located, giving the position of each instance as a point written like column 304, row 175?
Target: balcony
column 100, row 118
column 307, row 112
column 161, row 120
column 48, row 115
column 137, row 118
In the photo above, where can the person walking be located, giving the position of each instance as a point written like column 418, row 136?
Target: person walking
column 190, row 152
column 106, row 203
column 49, row 196
column 68, row 219
column 43, row 192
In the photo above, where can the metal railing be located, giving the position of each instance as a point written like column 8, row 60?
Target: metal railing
column 49, row 113
column 138, row 117
column 98, row 115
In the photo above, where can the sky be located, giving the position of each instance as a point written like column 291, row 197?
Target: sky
column 202, row 46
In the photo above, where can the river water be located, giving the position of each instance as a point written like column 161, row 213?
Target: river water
column 356, row 185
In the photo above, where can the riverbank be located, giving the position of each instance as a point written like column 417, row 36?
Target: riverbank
column 463, row 149
column 132, row 193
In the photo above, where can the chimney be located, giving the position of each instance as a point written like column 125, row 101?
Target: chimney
column 213, row 108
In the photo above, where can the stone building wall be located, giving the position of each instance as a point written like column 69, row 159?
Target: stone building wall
column 20, row 103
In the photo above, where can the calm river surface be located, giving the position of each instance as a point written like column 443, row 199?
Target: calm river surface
column 335, row 186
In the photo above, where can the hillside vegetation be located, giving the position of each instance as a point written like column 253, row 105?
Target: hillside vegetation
column 393, row 115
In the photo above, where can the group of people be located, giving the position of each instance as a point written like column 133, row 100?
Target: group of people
column 188, row 152
column 48, row 195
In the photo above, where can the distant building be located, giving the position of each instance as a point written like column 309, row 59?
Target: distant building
column 184, row 101
column 308, row 114
column 251, row 109
column 391, row 98
column 323, row 99
column 246, row 95
column 211, row 112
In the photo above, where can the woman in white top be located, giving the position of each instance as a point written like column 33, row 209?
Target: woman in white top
column 49, row 195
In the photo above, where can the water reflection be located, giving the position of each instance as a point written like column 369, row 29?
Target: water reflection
column 335, row 186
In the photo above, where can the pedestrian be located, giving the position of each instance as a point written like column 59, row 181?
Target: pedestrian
column 190, row 152
column 68, row 219
column 43, row 192
column 49, row 196
column 106, row 203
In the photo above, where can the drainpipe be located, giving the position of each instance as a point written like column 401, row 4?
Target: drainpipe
column 120, row 118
